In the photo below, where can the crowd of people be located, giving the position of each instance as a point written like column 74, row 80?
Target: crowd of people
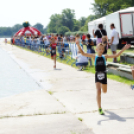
column 51, row 41
column 46, row 40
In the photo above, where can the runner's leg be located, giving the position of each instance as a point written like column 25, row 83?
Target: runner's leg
column 98, row 97
column 104, row 88
column 54, row 61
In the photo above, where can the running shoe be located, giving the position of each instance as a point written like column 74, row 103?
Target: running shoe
column 132, row 87
column 101, row 111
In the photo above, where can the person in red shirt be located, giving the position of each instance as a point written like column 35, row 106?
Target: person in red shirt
column 5, row 41
column 53, row 51
column 83, row 39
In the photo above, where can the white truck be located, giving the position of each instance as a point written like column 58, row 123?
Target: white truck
column 124, row 23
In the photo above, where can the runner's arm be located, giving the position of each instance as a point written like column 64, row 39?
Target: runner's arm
column 119, row 53
column 83, row 53
column 94, row 34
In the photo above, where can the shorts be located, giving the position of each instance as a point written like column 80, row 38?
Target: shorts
column 82, row 64
column 101, row 77
column 53, row 52
column 113, row 47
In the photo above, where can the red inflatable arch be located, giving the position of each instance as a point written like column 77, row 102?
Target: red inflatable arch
column 28, row 29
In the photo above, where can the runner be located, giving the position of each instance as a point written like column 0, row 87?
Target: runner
column 5, row 41
column 53, row 51
column 100, row 68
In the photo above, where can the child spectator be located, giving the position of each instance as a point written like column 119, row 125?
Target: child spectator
column 90, row 43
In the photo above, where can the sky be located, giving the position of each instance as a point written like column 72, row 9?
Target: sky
column 39, row 11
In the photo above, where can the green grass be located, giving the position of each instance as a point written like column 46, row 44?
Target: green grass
column 89, row 69
column 50, row 92
column 80, row 119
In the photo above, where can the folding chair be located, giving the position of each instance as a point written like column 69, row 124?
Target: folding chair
column 67, row 51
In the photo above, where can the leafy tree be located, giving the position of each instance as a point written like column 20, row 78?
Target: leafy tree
column 68, row 17
column 82, row 21
column 39, row 27
column 77, row 25
column 16, row 28
column 62, row 30
column 103, row 7
column 89, row 18
column 55, row 23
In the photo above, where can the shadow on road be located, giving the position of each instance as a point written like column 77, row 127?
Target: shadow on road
column 113, row 116
column 58, row 69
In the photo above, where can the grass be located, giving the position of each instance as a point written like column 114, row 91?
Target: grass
column 50, row 92
column 90, row 69
column 80, row 119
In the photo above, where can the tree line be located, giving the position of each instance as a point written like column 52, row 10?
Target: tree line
column 10, row 31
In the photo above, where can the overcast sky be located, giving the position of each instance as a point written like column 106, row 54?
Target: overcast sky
column 17, row 11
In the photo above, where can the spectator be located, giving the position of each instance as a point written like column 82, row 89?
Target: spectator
column 83, row 39
column 104, row 42
column 82, row 61
column 46, row 41
column 114, row 41
column 79, row 40
column 99, row 33
column 90, row 43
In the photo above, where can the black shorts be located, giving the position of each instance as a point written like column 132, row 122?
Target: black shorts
column 53, row 52
column 101, row 77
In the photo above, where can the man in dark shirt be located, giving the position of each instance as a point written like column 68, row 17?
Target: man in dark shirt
column 99, row 33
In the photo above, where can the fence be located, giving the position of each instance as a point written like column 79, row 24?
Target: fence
column 67, row 51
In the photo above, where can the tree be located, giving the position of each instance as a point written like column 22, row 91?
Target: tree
column 89, row 18
column 55, row 23
column 39, row 27
column 68, row 16
column 103, row 7
column 77, row 25
column 45, row 30
column 82, row 21
column 16, row 28
column 63, row 30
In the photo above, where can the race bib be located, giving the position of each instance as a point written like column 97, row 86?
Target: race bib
column 100, row 76
column 53, row 51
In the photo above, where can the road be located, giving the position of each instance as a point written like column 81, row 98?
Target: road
column 66, row 97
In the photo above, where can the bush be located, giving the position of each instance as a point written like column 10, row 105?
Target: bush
column 77, row 32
